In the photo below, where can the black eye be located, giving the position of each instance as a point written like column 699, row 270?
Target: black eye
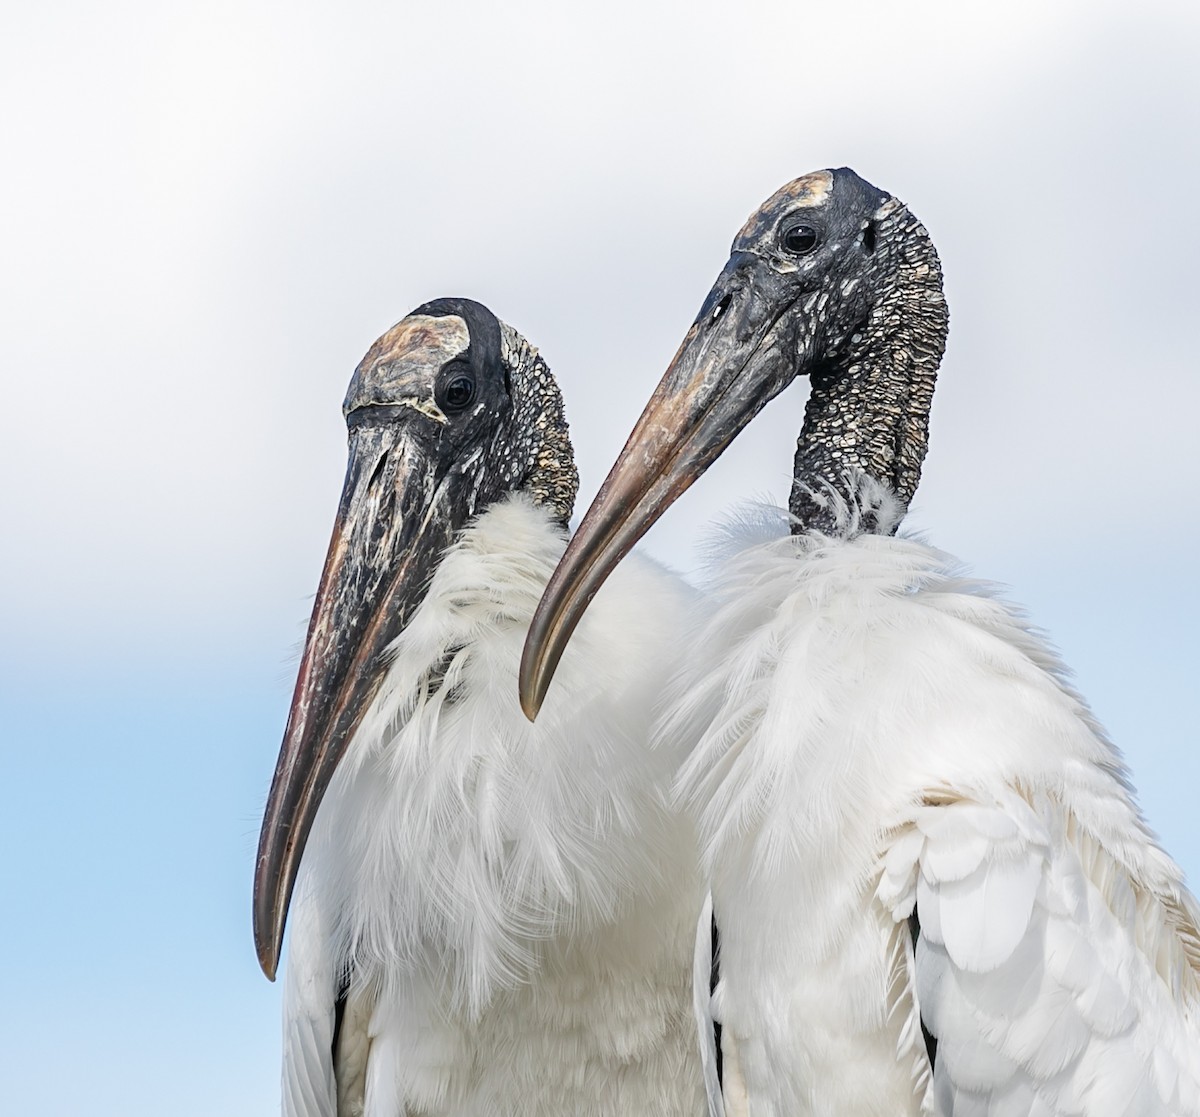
column 457, row 388
column 801, row 239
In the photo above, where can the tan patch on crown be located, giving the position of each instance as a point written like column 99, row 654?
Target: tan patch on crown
column 806, row 192
column 402, row 366
column 423, row 337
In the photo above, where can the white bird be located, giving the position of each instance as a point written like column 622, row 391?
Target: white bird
column 490, row 917
column 933, row 889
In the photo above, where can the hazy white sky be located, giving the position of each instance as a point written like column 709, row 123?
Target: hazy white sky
column 209, row 211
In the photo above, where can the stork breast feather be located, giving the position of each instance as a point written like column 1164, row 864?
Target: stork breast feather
column 308, row 998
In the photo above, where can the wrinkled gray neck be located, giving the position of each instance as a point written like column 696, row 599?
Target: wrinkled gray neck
column 868, row 412
column 543, row 461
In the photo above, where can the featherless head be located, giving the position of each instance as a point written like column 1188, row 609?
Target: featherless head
column 448, row 411
column 824, row 255
column 833, row 279
column 479, row 396
column 862, row 313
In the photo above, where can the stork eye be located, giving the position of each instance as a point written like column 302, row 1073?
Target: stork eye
column 457, row 388
column 800, row 240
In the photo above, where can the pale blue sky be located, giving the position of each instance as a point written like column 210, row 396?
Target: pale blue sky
column 207, row 214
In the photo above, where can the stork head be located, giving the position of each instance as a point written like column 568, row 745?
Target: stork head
column 830, row 278
column 448, row 411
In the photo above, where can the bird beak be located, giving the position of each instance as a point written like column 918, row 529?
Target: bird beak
column 731, row 363
column 392, row 525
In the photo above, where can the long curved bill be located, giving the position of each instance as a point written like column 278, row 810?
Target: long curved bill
column 729, row 366
column 390, row 530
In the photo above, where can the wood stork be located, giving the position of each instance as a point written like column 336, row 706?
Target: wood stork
column 490, row 917
column 933, row 889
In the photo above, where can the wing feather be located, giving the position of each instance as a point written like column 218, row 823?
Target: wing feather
column 1049, row 976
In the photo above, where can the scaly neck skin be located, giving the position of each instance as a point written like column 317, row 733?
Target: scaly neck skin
column 868, row 412
column 542, row 458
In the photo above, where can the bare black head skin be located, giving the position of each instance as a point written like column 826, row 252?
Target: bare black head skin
column 830, row 278
column 448, row 411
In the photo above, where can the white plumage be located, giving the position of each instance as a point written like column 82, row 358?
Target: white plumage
column 518, row 900
column 883, row 737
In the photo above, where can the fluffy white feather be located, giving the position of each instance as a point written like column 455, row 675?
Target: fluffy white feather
column 881, row 735
column 309, row 993
column 512, row 903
